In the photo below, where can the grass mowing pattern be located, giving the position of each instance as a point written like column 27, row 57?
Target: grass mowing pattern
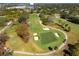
column 47, row 37
column 53, row 41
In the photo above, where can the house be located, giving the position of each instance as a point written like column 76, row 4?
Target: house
column 21, row 7
column 16, row 7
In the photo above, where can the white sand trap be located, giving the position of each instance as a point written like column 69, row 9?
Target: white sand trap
column 45, row 28
column 34, row 34
column 40, row 22
column 36, row 38
column 56, row 34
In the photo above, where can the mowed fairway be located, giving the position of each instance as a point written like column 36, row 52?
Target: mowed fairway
column 46, row 38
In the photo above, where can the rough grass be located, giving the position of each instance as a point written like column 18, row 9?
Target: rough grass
column 73, row 35
column 74, row 27
column 16, row 43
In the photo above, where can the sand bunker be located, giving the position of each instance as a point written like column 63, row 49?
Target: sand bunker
column 34, row 34
column 46, row 29
column 56, row 34
column 35, row 38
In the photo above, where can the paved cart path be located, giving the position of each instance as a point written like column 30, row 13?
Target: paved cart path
column 50, row 52
column 30, row 53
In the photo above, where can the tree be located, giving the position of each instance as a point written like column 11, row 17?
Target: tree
column 74, row 19
column 67, row 53
column 22, row 29
column 50, row 48
column 64, row 14
column 44, row 21
column 7, row 52
column 41, row 15
column 66, row 25
column 70, row 16
column 3, row 39
column 43, row 18
column 72, row 50
column 55, row 48
column 23, row 17
column 22, row 32
column 67, row 28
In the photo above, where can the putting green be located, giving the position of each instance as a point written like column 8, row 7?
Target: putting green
column 46, row 38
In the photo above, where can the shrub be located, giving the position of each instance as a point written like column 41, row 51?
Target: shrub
column 23, row 17
column 3, row 39
column 22, row 32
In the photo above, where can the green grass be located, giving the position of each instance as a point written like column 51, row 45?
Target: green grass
column 34, row 24
column 45, row 38
column 74, row 27
column 15, row 42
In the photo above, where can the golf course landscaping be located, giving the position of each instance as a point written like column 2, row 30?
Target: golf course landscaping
column 39, row 29
column 43, row 39
column 44, row 36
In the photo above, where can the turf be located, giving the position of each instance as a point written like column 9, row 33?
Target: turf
column 74, row 27
column 34, row 24
column 47, row 37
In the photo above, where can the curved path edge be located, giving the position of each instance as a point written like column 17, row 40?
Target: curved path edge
column 50, row 52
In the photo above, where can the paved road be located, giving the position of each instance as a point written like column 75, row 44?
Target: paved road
column 50, row 52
